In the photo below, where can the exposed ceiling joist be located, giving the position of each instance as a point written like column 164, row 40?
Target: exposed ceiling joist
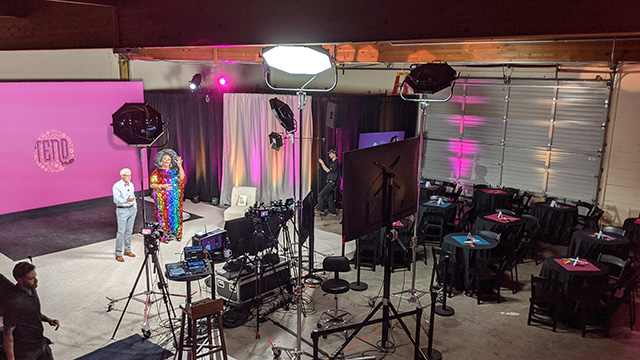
column 80, row 24
column 17, row 8
column 493, row 51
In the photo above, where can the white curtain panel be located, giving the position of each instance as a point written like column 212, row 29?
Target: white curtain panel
column 248, row 159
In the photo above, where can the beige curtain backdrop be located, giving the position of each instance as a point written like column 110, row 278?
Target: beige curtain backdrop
column 248, row 159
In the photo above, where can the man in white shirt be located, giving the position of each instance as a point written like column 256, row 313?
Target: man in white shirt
column 126, row 210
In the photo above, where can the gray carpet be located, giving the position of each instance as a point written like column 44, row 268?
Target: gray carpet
column 62, row 227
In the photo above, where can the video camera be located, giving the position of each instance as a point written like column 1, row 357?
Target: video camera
column 151, row 231
column 281, row 210
column 284, row 210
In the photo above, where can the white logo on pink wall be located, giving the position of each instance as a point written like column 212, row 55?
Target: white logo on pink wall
column 53, row 151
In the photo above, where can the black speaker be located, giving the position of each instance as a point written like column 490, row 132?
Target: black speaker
column 332, row 109
column 430, row 78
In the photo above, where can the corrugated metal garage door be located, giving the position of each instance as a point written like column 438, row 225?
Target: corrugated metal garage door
column 538, row 135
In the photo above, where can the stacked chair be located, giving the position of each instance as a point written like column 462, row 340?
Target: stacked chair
column 529, row 242
column 596, row 306
column 623, row 279
column 614, row 229
column 584, row 210
column 522, row 203
column 591, row 221
column 487, row 276
column 545, row 302
column 462, row 221
column 444, row 265
column 433, row 229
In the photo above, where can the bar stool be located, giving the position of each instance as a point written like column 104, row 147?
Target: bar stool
column 191, row 313
column 335, row 317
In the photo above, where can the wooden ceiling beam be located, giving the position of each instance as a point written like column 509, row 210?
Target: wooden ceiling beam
column 104, row 24
column 17, row 8
column 534, row 51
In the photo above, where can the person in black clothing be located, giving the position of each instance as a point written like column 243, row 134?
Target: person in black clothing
column 23, row 331
column 326, row 194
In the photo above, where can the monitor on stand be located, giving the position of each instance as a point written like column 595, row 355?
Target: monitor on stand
column 380, row 186
column 362, row 180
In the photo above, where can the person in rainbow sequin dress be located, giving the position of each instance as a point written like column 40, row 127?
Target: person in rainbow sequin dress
column 167, row 182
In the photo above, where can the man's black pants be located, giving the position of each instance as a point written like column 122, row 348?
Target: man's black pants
column 326, row 194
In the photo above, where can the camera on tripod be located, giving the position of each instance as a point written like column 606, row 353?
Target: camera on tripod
column 258, row 213
column 152, row 230
column 284, row 210
column 152, row 233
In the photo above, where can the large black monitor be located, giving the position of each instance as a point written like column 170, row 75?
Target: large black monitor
column 243, row 237
column 362, row 181
column 240, row 233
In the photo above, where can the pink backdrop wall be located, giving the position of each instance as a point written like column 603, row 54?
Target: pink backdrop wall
column 58, row 144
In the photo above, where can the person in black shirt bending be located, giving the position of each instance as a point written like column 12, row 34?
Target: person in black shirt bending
column 326, row 194
column 23, row 331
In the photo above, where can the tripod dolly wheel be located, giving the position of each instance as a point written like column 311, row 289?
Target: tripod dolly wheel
column 146, row 333
column 277, row 353
column 110, row 307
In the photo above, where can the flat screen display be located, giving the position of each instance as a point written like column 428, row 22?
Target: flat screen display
column 193, row 253
column 214, row 241
column 379, row 138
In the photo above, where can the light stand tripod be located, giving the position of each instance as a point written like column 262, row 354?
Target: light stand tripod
column 150, row 254
column 296, row 352
column 415, row 295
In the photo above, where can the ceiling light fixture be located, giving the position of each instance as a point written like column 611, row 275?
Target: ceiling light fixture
column 298, row 59
column 195, row 82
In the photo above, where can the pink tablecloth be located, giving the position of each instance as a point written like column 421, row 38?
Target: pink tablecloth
column 505, row 218
column 493, row 191
column 571, row 267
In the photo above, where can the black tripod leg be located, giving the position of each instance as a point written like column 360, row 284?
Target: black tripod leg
column 404, row 326
column 165, row 296
column 163, row 285
column 357, row 330
column 133, row 289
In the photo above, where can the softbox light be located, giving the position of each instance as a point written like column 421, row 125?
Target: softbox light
column 307, row 60
column 275, row 140
column 430, row 78
column 137, row 124
column 283, row 113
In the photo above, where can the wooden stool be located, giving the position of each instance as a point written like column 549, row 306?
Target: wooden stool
column 205, row 308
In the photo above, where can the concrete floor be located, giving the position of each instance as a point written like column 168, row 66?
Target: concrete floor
column 74, row 284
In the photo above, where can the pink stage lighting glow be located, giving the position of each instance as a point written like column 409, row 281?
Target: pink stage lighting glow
column 58, row 142
column 462, row 154
column 222, row 81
